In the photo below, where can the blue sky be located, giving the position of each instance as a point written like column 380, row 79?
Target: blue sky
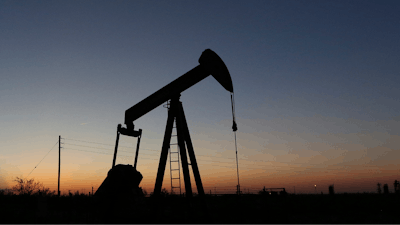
column 311, row 78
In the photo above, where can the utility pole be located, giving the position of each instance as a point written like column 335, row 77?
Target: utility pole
column 92, row 191
column 59, row 162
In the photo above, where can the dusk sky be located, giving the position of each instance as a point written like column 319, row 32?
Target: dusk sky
column 316, row 87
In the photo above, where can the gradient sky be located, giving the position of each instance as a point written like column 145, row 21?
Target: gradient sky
column 316, row 86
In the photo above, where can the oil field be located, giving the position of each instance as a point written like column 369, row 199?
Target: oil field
column 304, row 126
column 119, row 199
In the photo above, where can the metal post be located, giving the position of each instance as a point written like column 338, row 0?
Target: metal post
column 193, row 162
column 192, row 157
column 182, row 150
column 137, row 147
column 164, row 151
column 59, row 162
column 116, row 146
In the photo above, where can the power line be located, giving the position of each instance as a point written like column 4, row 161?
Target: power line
column 87, row 141
column 42, row 159
column 127, row 156
column 98, row 143
column 145, row 154
column 89, row 146
column 125, row 147
column 246, row 165
column 244, row 161
column 150, row 154
column 97, row 147
column 104, row 153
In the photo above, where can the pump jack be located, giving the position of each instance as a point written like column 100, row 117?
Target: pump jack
column 210, row 64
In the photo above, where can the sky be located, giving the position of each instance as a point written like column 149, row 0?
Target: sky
column 315, row 83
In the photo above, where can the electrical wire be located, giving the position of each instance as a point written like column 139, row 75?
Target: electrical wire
column 91, row 142
column 88, row 146
column 143, row 153
column 247, row 165
column 96, row 147
column 41, row 160
column 104, row 153
column 126, row 156
column 128, row 147
column 197, row 155
column 87, row 141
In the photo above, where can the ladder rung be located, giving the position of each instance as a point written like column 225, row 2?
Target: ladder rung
column 173, row 144
column 174, row 169
column 175, row 161
column 175, row 178
column 174, row 152
column 176, row 187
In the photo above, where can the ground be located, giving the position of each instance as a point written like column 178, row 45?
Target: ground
column 340, row 208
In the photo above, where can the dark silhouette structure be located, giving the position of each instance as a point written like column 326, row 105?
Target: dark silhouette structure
column 386, row 189
column 131, row 133
column 331, row 190
column 396, row 187
column 122, row 182
column 119, row 194
column 272, row 191
column 379, row 188
column 176, row 113
column 210, row 64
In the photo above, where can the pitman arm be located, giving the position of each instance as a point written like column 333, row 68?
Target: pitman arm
column 210, row 63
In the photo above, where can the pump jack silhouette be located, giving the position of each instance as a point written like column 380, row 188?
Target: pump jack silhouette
column 210, row 64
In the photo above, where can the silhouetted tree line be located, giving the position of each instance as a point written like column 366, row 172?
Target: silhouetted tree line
column 386, row 188
column 30, row 187
column 396, row 187
column 331, row 190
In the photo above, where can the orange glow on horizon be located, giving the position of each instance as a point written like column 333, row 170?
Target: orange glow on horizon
column 225, row 180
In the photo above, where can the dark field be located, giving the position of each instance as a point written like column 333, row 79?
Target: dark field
column 340, row 208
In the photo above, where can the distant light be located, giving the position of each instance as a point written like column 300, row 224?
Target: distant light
column 315, row 185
